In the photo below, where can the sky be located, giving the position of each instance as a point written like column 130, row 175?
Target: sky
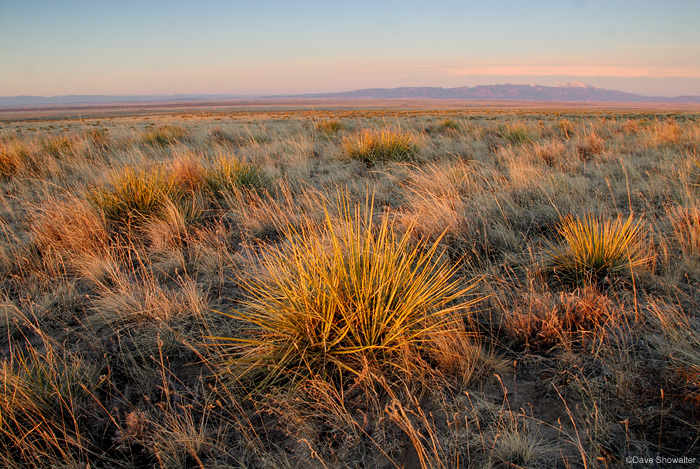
column 267, row 47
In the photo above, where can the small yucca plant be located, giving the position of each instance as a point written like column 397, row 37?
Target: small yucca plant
column 595, row 249
column 373, row 146
column 329, row 126
column 517, row 135
column 448, row 125
column 227, row 175
column 337, row 297
column 164, row 135
column 135, row 195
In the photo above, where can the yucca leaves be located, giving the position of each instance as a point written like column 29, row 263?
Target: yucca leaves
column 336, row 296
column 596, row 248
column 373, row 146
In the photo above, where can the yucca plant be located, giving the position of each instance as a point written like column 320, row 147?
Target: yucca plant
column 164, row 135
column 229, row 174
column 449, row 125
column 595, row 249
column 345, row 294
column 329, row 126
column 517, row 135
column 135, row 195
column 373, row 146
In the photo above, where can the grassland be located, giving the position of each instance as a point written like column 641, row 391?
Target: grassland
column 350, row 288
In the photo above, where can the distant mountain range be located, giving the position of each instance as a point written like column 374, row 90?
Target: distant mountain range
column 99, row 99
column 569, row 92
column 574, row 92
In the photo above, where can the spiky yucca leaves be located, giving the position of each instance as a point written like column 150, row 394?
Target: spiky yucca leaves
column 373, row 146
column 227, row 175
column 329, row 126
column 337, row 297
column 595, row 249
column 164, row 135
column 135, row 195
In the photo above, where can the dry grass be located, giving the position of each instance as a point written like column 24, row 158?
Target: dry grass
column 120, row 237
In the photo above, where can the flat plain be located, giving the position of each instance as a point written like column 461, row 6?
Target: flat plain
column 325, row 284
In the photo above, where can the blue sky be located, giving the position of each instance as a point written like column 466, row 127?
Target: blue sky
column 277, row 47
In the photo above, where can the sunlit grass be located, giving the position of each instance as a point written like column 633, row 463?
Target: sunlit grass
column 373, row 146
column 595, row 249
column 134, row 195
column 349, row 293
column 227, row 175
column 164, row 135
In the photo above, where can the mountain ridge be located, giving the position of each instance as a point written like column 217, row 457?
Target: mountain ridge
column 572, row 91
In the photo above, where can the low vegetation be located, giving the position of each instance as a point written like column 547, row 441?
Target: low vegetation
column 595, row 250
column 374, row 146
column 357, row 288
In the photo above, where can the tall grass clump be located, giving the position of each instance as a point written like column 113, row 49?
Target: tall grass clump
column 58, row 145
column 686, row 228
column 45, row 401
column 164, row 135
column 338, row 297
column 373, row 146
column 135, row 195
column 596, row 249
column 228, row 175
column 10, row 164
column 516, row 135
column 329, row 126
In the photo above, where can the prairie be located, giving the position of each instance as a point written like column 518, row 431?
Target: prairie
column 350, row 288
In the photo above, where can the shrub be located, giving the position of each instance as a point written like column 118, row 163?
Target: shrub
column 590, row 146
column 595, row 249
column 373, row 146
column 335, row 298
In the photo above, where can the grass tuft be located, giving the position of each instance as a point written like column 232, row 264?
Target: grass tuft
column 164, row 135
column 338, row 297
column 135, row 195
column 228, row 175
column 10, row 164
column 329, row 126
column 596, row 249
column 44, row 401
column 373, row 146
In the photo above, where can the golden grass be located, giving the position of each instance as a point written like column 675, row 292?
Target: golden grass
column 372, row 146
column 135, row 195
column 108, row 286
column 595, row 249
